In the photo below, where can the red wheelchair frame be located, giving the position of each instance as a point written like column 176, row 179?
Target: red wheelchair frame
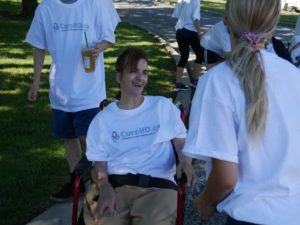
column 84, row 165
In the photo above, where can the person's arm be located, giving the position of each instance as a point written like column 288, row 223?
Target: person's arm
column 38, row 61
column 100, row 47
column 220, row 183
column 198, row 27
column 185, row 163
column 107, row 196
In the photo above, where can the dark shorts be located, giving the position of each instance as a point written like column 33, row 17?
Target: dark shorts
column 212, row 57
column 72, row 124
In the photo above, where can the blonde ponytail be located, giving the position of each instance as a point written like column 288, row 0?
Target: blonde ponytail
column 258, row 18
column 245, row 62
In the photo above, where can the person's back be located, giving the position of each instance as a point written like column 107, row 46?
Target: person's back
column 267, row 177
column 270, row 166
column 245, row 123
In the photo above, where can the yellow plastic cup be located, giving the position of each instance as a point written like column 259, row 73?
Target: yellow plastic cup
column 87, row 60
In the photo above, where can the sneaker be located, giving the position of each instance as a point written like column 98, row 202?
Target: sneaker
column 66, row 192
column 180, row 87
column 193, row 83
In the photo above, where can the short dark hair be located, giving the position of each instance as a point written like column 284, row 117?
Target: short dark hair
column 128, row 59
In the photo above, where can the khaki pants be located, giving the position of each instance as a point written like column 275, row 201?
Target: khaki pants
column 136, row 206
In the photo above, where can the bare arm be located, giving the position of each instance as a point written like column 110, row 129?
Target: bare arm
column 221, row 182
column 185, row 163
column 198, row 27
column 100, row 47
column 107, row 197
column 38, row 60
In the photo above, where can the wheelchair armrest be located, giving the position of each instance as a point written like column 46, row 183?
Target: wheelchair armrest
column 82, row 166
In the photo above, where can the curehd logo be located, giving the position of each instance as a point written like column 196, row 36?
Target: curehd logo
column 114, row 136
column 77, row 26
column 55, row 27
column 139, row 132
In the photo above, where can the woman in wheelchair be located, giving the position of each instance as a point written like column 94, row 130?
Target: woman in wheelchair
column 131, row 142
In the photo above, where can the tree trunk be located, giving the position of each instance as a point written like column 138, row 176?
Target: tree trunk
column 28, row 8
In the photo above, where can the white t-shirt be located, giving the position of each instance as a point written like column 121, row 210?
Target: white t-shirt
column 59, row 28
column 187, row 11
column 268, row 184
column 217, row 39
column 137, row 140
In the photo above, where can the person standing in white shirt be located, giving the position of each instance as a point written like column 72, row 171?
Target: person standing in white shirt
column 245, row 124
column 188, row 35
column 64, row 27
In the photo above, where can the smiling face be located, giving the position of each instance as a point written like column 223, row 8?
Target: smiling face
column 132, row 83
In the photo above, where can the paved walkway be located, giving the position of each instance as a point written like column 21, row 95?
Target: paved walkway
column 156, row 19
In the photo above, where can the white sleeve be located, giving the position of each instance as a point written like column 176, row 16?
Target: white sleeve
column 177, row 9
column 179, row 127
column 107, row 20
column 170, row 118
column 225, row 40
column 196, row 10
column 95, row 141
column 36, row 33
column 212, row 128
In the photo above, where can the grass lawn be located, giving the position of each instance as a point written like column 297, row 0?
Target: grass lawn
column 218, row 6
column 32, row 163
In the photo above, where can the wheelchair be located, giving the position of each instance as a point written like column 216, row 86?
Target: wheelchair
column 84, row 166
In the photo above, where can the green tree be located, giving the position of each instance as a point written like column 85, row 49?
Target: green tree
column 28, row 7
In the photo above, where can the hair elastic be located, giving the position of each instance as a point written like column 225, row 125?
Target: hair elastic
column 253, row 38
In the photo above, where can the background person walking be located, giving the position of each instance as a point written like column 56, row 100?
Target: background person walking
column 187, row 35
column 64, row 27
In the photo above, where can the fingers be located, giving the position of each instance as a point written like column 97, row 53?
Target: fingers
column 95, row 54
column 188, row 179
column 107, row 206
column 116, row 206
column 191, row 180
column 32, row 96
column 194, row 180
column 96, row 51
column 178, row 172
column 190, row 174
column 99, row 212
column 111, row 211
